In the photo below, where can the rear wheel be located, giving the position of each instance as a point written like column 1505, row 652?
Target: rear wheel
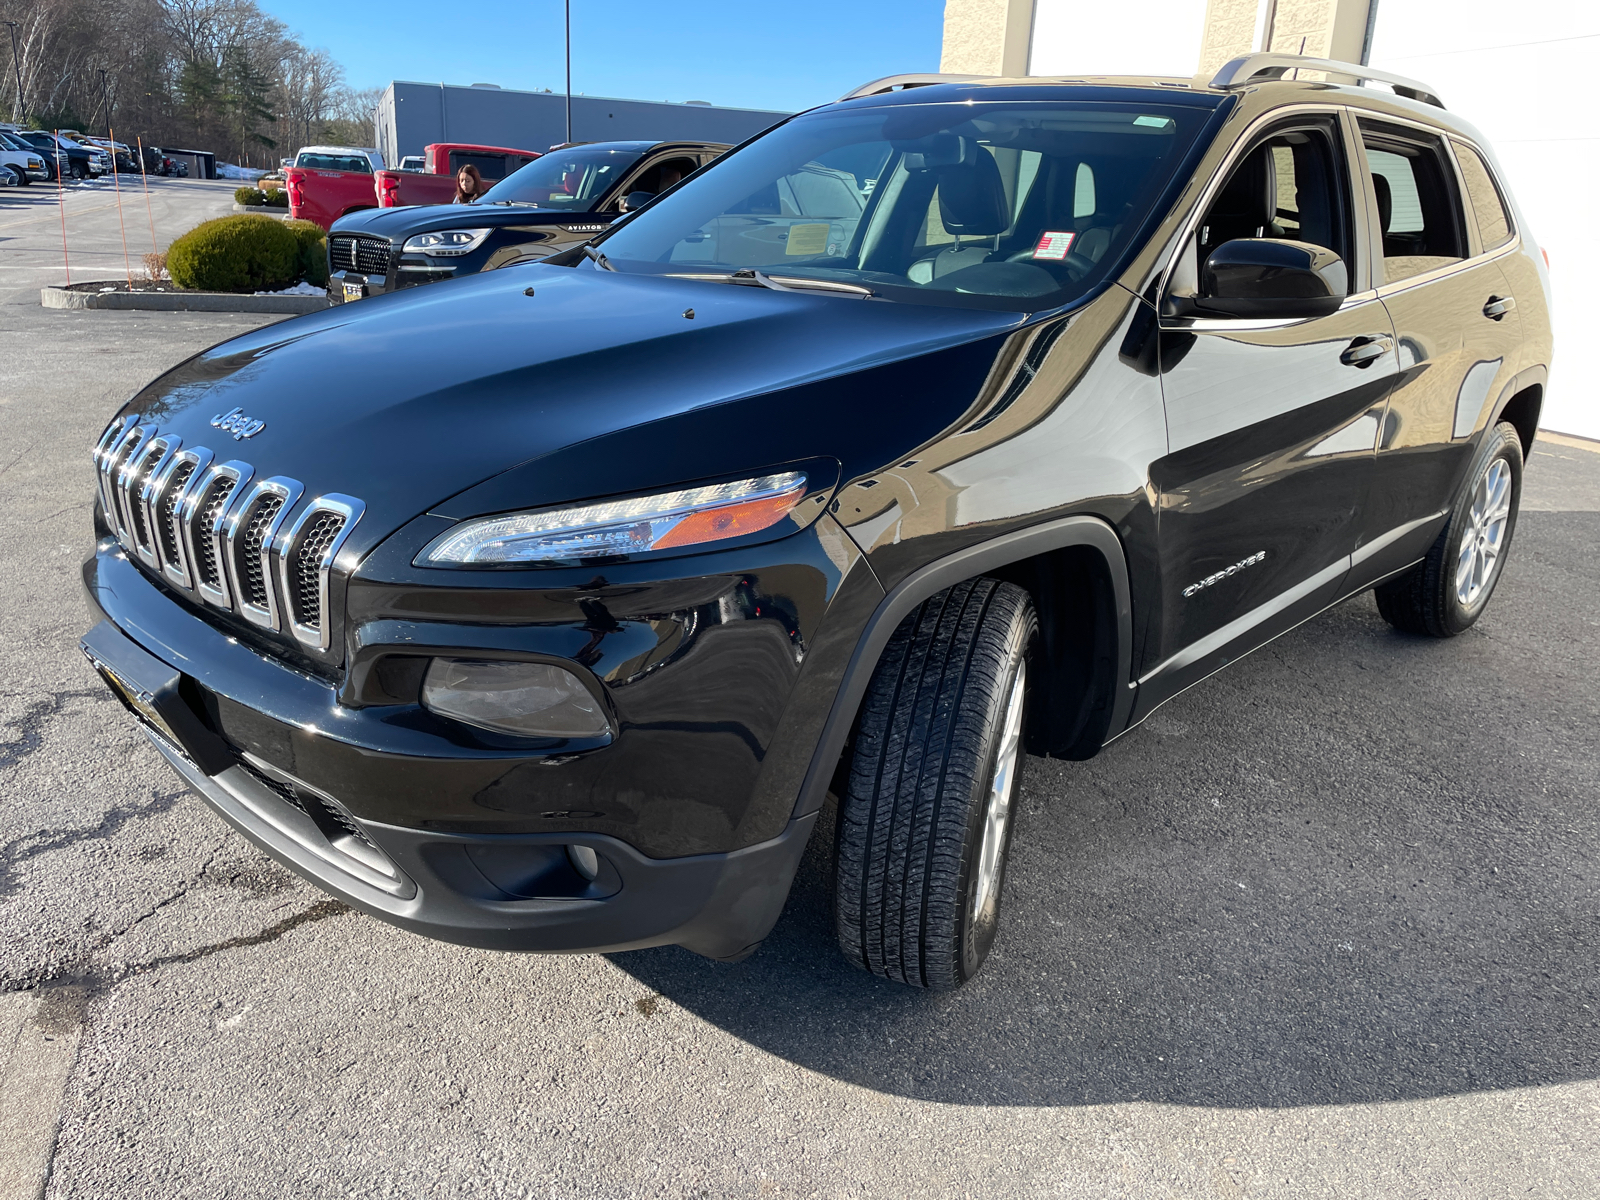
column 925, row 822
column 1448, row 590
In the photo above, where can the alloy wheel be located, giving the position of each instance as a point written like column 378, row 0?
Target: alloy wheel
column 1484, row 536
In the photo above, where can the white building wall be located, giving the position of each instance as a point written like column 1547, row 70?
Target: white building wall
column 1072, row 38
column 1523, row 74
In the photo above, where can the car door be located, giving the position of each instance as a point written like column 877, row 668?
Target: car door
column 1272, row 423
column 1457, row 331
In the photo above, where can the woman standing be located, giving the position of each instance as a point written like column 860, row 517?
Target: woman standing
column 469, row 185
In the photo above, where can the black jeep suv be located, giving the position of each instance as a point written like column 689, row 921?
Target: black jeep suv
column 555, row 202
column 948, row 421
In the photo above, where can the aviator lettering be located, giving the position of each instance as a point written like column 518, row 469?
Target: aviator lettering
column 236, row 423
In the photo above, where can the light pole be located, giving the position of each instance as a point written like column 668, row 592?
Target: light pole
column 20, row 111
column 569, row 70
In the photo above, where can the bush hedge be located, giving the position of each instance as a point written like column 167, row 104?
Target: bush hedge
column 269, row 197
column 313, row 241
column 245, row 253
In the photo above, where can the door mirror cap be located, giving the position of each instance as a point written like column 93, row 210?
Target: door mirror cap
column 1272, row 277
column 635, row 200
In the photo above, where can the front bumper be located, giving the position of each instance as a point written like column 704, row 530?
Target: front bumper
column 502, row 892
column 397, row 279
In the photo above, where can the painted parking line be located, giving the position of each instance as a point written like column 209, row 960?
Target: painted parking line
column 38, row 1046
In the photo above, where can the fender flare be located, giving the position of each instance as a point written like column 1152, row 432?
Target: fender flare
column 944, row 572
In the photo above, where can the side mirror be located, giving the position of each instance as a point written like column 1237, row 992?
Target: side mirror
column 1270, row 277
column 635, row 200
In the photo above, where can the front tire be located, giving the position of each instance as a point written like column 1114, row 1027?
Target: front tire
column 925, row 822
column 1447, row 591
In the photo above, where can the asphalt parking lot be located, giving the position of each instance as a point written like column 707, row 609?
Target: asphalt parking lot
column 1325, row 926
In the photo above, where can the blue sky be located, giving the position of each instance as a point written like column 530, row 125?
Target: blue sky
column 746, row 55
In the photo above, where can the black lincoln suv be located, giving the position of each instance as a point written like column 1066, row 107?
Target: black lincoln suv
column 553, row 203
column 948, row 422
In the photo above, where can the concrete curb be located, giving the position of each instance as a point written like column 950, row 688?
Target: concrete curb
column 262, row 210
column 60, row 297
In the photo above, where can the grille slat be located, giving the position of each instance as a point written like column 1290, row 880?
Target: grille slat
column 209, row 567
column 139, row 480
column 342, row 253
column 306, row 567
column 167, row 512
column 256, row 585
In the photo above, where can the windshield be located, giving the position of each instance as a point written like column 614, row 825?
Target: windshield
column 1015, row 205
column 570, row 179
column 335, row 162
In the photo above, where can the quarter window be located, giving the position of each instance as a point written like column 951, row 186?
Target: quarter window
column 1494, row 227
column 1417, row 207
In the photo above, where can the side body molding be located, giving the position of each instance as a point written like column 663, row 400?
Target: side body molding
column 927, row 581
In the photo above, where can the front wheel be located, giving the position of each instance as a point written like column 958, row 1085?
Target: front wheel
column 1449, row 589
column 925, row 822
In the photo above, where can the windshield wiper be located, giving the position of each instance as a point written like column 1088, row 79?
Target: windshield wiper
column 749, row 277
column 599, row 260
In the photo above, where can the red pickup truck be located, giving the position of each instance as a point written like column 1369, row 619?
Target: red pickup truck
column 397, row 189
column 326, row 182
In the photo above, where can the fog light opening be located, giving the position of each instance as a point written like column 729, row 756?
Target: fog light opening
column 584, row 861
column 527, row 699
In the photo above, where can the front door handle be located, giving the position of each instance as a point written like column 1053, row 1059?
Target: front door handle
column 1363, row 352
column 1499, row 306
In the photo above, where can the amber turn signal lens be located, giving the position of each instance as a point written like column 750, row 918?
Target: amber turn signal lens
column 736, row 520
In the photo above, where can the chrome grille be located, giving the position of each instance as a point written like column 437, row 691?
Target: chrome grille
column 368, row 255
column 210, row 529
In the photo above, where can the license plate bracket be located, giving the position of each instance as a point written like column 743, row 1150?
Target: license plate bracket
column 154, row 693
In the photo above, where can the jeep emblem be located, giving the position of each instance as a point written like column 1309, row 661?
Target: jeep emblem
column 236, row 423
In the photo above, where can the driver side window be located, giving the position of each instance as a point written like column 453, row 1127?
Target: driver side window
column 1288, row 186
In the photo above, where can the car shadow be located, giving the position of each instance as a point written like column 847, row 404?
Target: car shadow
column 1311, row 880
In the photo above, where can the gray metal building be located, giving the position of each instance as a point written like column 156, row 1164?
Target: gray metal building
column 413, row 115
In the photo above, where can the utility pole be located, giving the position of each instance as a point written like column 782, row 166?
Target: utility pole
column 106, row 92
column 19, row 110
column 569, row 70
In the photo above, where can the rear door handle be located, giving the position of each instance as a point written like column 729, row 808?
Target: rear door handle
column 1499, row 306
column 1363, row 352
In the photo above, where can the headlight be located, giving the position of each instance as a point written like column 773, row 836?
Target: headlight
column 523, row 698
column 447, row 241
column 665, row 521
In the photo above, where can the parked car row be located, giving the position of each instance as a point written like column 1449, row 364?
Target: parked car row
column 77, row 156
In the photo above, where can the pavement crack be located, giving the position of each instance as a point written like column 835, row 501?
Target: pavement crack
column 320, row 911
column 183, row 890
column 31, row 724
column 20, row 850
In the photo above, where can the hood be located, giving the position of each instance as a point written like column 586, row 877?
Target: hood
column 407, row 399
column 401, row 223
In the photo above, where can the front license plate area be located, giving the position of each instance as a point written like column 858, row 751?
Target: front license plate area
column 354, row 291
column 152, row 691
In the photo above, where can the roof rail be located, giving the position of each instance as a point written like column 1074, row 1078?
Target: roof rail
column 1257, row 68
column 890, row 83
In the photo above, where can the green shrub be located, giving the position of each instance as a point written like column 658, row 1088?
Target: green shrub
column 313, row 241
column 249, row 195
column 236, row 254
column 275, row 197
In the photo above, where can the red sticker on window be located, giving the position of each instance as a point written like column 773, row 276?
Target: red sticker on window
column 1053, row 245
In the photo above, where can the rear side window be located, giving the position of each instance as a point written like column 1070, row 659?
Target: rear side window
column 1488, row 206
column 1417, row 206
column 491, row 166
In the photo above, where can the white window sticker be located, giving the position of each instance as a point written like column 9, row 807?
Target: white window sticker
column 807, row 239
column 1053, row 245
